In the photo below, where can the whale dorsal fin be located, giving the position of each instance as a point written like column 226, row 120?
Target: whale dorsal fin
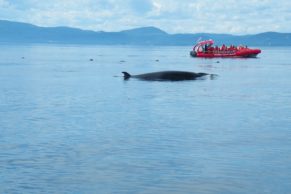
column 126, row 75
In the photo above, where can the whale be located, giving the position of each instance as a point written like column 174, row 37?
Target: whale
column 167, row 76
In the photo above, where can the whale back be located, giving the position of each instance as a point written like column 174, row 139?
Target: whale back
column 166, row 76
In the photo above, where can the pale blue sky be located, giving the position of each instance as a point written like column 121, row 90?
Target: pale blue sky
column 173, row 16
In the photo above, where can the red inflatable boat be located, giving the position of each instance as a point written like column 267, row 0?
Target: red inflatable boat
column 205, row 49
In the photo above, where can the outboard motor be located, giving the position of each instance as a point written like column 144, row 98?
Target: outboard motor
column 193, row 53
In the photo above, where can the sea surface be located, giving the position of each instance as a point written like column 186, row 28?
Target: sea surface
column 69, row 124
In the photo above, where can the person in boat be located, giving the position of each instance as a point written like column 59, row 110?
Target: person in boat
column 223, row 47
column 216, row 49
column 231, row 47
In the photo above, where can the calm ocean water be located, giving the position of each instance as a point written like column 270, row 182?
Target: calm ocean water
column 69, row 125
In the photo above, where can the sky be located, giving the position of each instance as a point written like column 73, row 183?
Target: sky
column 173, row 16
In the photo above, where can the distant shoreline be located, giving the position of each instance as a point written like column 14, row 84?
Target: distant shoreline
column 3, row 44
column 19, row 33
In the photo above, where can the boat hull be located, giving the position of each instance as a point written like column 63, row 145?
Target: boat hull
column 245, row 53
column 206, row 50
